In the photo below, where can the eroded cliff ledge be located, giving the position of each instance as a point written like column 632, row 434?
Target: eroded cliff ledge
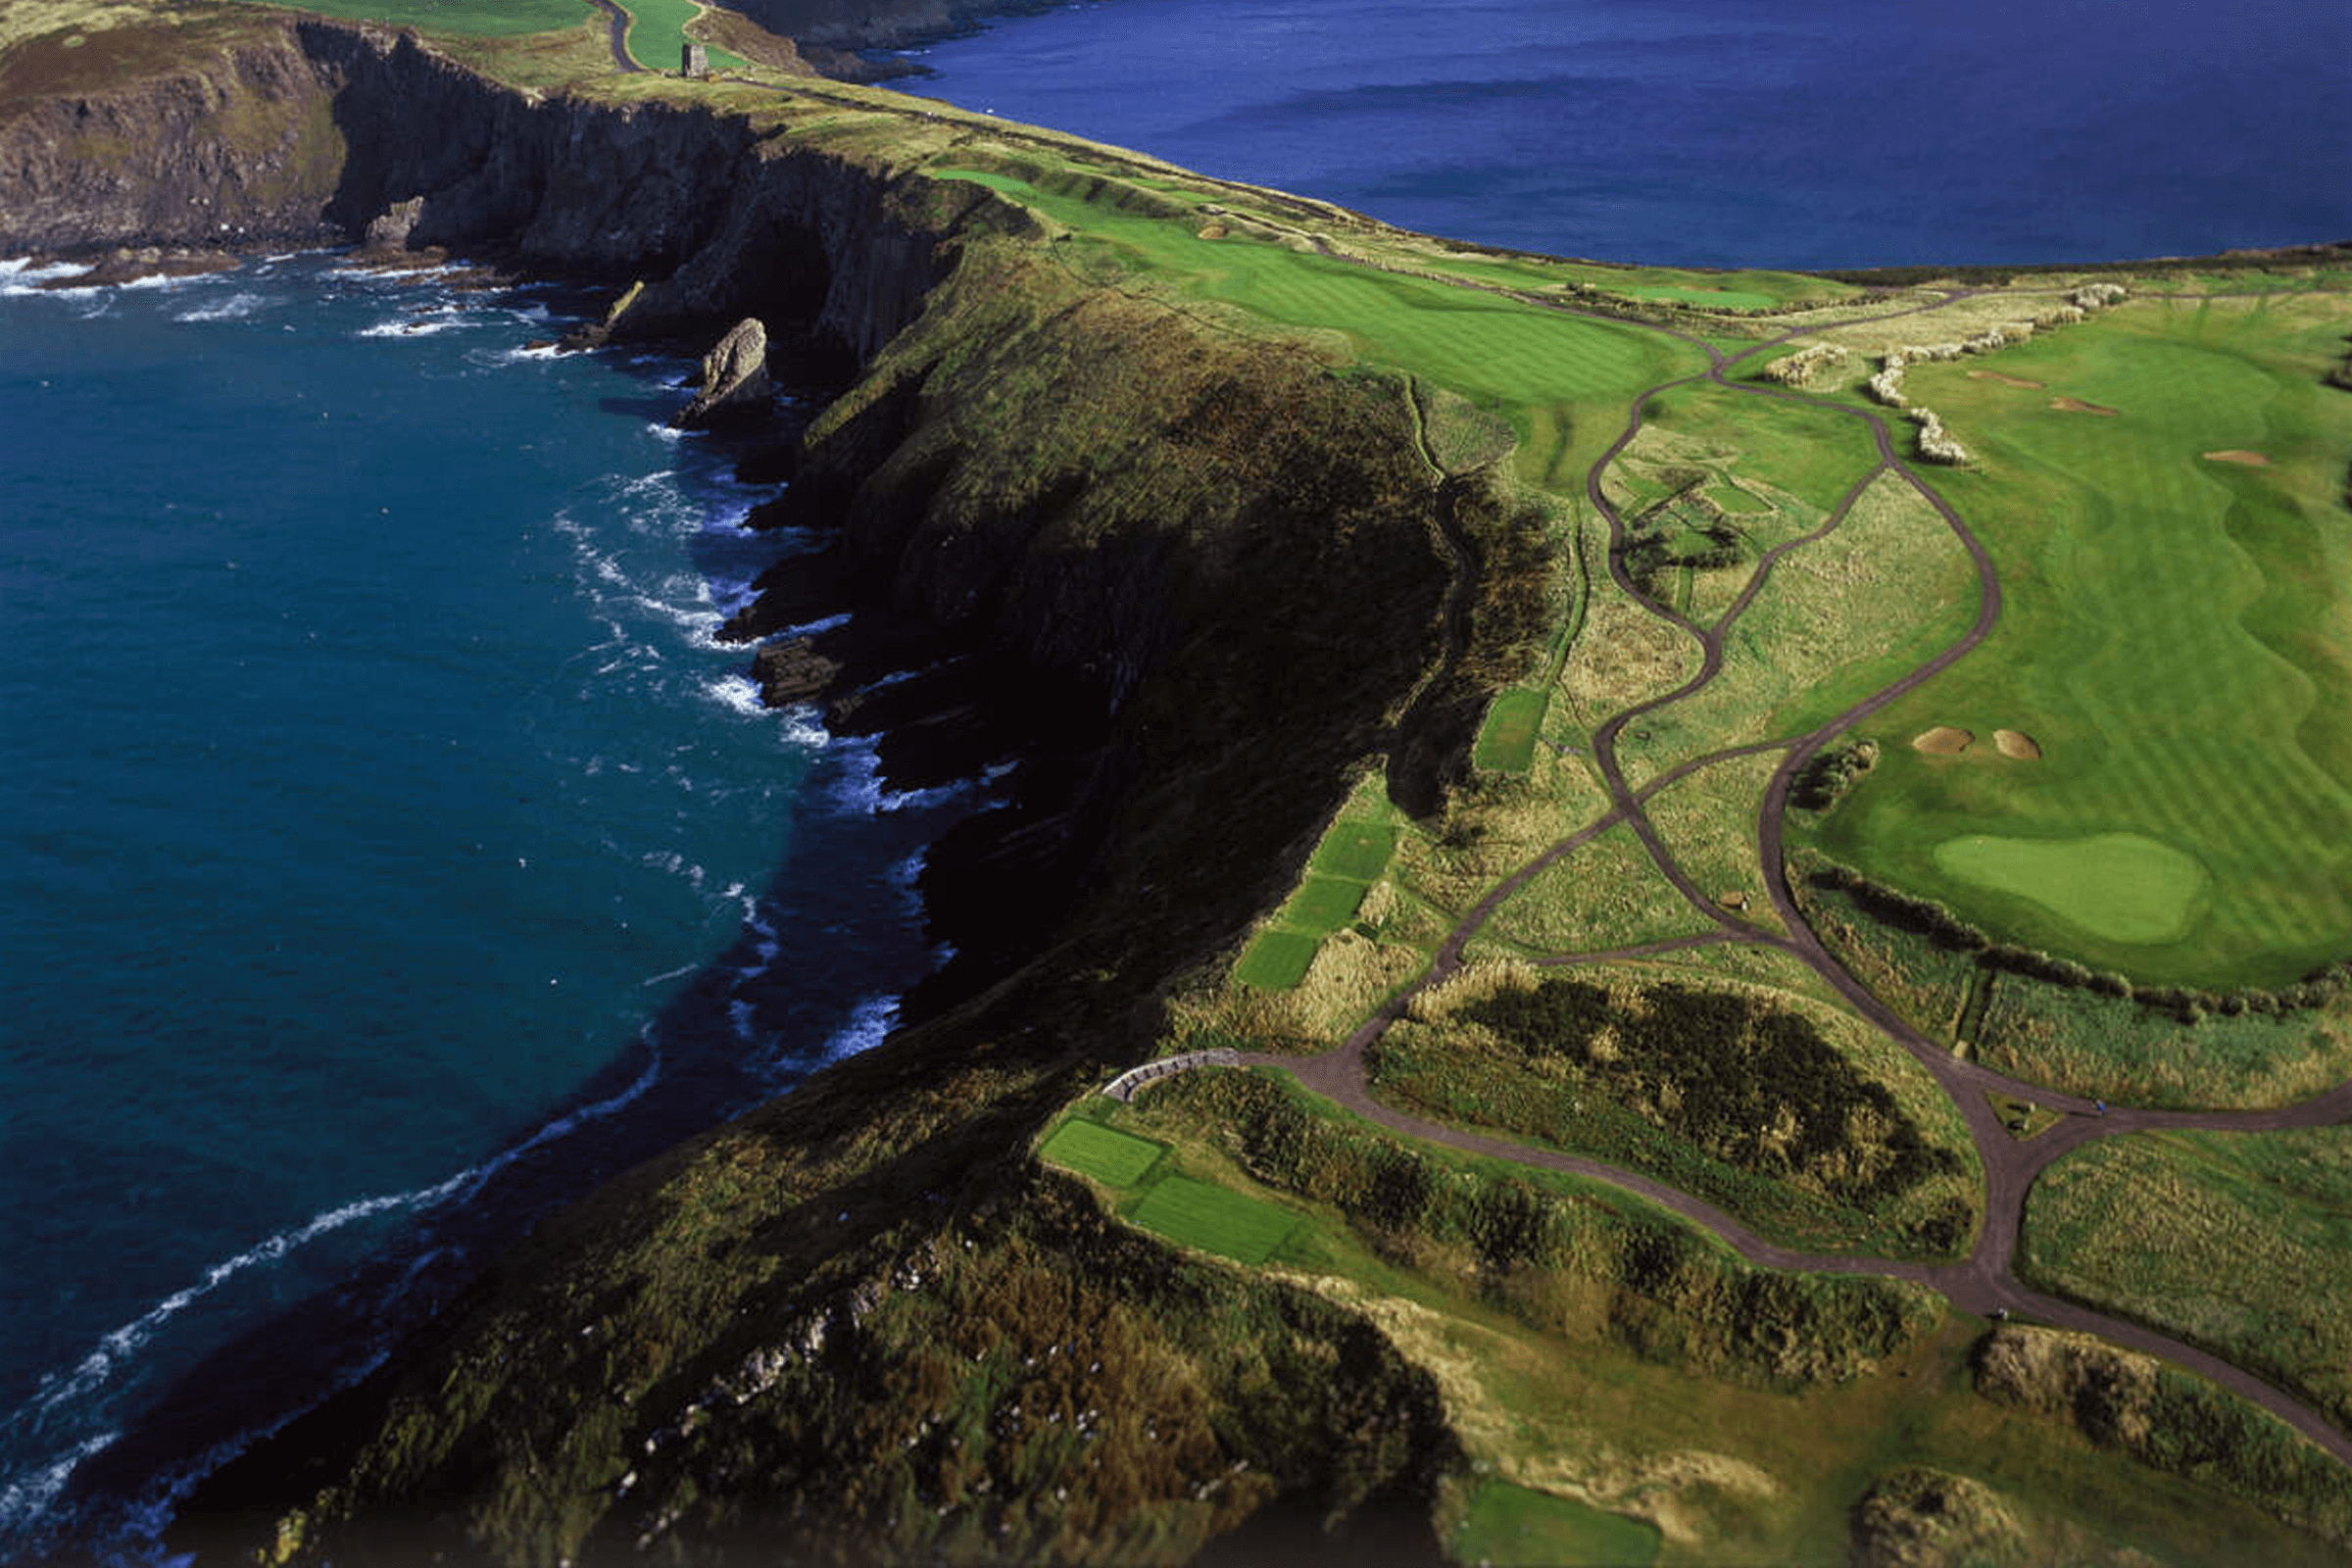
column 1217, row 554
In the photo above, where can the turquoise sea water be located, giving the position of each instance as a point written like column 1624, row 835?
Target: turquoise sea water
column 1811, row 133
column 385, row 847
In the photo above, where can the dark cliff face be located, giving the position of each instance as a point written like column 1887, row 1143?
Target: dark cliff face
column 1220, row 565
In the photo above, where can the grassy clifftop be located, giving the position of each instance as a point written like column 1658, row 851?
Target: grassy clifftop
column 1453, row 614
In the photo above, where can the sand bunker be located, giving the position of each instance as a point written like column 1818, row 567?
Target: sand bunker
column 1215, row 231
column 2077, row 405
column 2017, row 744
column 1943, row 740
column 2252, row 459
column 2007, row 380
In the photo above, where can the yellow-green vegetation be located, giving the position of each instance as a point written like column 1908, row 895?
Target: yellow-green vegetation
column 1589, row 1348
column 2172, row 639
column 1708, row 823
column 1784, row 1115
column 2239, row 1242
column 1837, row 619
column 1604, row 895
column 2099, row 1035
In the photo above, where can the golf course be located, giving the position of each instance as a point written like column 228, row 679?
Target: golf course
column 1742, row 880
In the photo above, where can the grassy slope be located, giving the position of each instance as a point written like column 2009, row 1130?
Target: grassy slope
column 2175, row 637
column 2239, row 1242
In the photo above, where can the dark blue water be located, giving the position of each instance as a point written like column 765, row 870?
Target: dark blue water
column 384, row 842
column 1811, row 133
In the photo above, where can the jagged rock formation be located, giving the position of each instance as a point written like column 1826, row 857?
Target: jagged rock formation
column 735, row 385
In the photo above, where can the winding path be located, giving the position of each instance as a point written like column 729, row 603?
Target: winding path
column 1986, row 1281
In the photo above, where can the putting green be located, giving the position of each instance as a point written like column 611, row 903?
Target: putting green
column 2123, row 887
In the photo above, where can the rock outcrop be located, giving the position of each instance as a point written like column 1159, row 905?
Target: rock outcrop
column 735, row 383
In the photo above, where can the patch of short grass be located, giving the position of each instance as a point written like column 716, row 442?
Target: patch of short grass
column 1511, row 1525
column 483, row 18
column 1110, row 1157
column 1214, row 1219
column 1276, row 958
column 1355, row 849
column 1506, row 742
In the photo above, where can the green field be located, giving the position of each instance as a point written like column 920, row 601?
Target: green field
column 2121, row 887
column 2240, row 1242
column 1214, row 1219
column 657, row 34
column 1507, row 744
column 2176, row 637
column 1276, row 958
column 1109, row 1155
column 483, row 18
column 1555, row 377
column 1512, row 1526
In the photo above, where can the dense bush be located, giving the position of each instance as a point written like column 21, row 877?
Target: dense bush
column 1824, row 780
column 1752, row 1084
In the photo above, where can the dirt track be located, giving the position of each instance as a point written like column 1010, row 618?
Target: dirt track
column 1986, row 1281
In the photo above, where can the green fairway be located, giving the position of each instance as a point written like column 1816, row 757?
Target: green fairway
column 1550, row 374
column 2176, row 637
column 2120, row 886
column 1112, row 1158
column 1214, row 1219
column 1509, row 1526
column 485, row 18
column 1720, row 299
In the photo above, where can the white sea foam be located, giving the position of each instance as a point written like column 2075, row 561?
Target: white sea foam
column 227, row 310
column 665, row 432
column 27, row 1495
column 803, row 726
column 407, row 326
column 738, row 693
column 21, row 276
column 871, row 1023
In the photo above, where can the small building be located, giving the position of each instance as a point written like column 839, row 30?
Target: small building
column 694, row 60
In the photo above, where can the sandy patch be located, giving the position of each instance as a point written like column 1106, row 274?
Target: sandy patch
column 1943, row 740
column 1733, row 901
column 2077, row 405
column 2007, row 380
column 1215, row 231
column 2252, row 459
column 2016, row 743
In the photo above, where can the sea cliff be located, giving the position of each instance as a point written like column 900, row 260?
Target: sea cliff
column 1213, row 566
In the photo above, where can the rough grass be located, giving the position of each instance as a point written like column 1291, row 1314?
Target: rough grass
column 2078, row 1040
column 1620, row 1367
column 1757, row 1105
column 1708, row 822
column 1605, row 893
column 2175, row 634
column 1837, row 619
column 2239, row 1242
column 1513, row 1527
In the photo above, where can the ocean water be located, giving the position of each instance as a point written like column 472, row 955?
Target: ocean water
column 386, row 847
column 1808, row 133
